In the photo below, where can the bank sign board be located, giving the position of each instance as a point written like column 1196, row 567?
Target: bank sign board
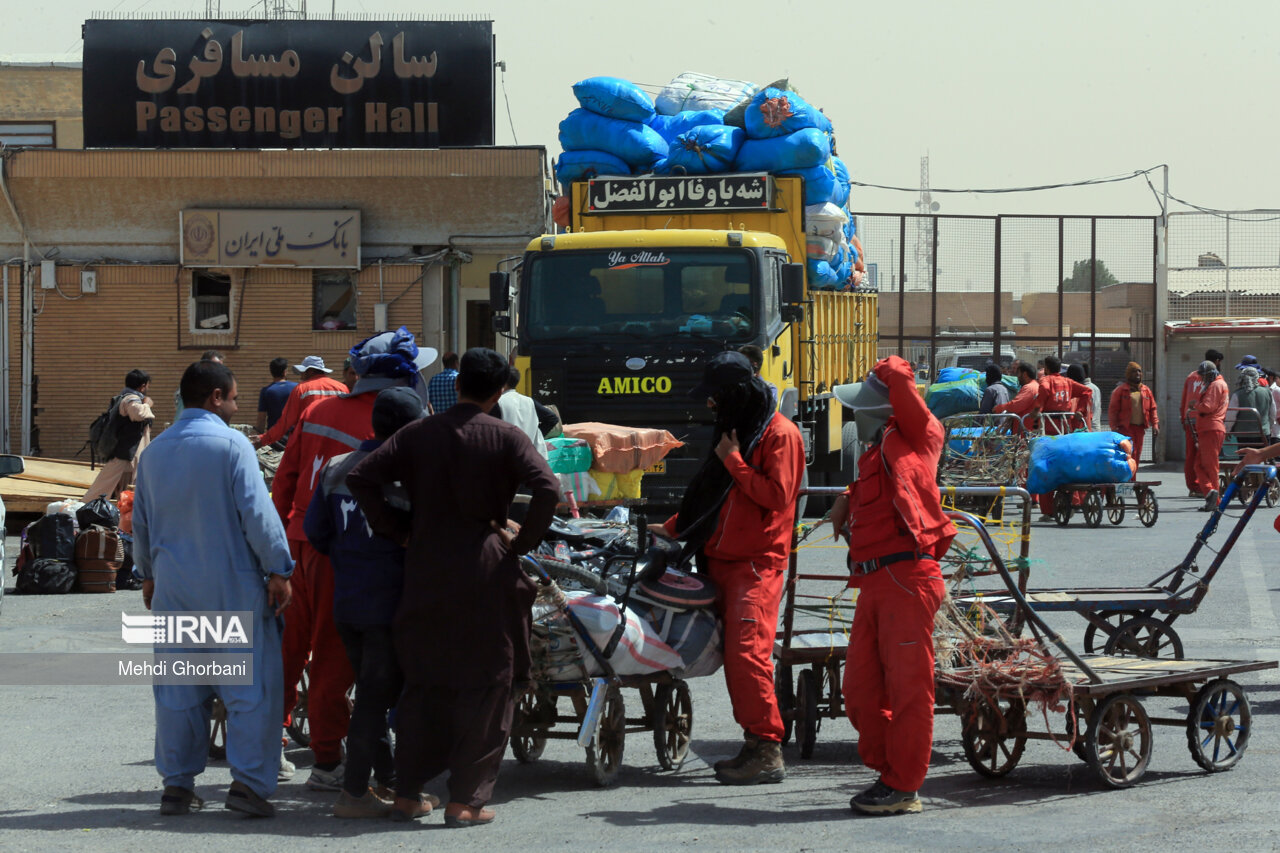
column 287, row 84
column 321, row 239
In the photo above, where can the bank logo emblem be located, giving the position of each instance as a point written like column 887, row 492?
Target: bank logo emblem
column 211, row 629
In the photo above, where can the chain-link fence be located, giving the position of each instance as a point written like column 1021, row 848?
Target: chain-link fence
column 1224, row 265
column 967, row 290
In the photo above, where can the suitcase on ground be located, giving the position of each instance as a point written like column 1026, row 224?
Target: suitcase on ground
column 99, row 557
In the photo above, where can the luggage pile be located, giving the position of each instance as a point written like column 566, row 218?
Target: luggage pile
column 701, row 125
column 597, row 461
column 76, row 547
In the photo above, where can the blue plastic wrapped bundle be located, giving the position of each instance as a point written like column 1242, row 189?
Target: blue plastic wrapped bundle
column 803, row 149
column 954, row 398
column 636, row 144
column 614, row 97
column 1081, row 457
column 583, row 165
column 777, row 112
column 822, row 275
column 704, row 150
column 820, row 185
column 955, row 374
column 669, row 127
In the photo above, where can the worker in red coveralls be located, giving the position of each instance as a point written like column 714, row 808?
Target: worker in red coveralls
column 1133, row 409
column 331, row 426
column 738, row 513
column 1191, row 388
column 1025, row 401
column 1210, row 413
column 1059, row 394
column 897, row 531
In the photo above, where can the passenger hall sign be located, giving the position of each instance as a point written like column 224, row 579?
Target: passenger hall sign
column 287, row 84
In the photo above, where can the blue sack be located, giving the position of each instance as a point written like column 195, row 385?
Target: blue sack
column 822, row 274
column 800, row 150
column 669, row 127
column 1080, row 457
column 615, row 98
column 820, row 186
column 636, row 144
column 955, row 374
column 584, row 165
column 775, row 112
column 945, row 399
column 703, row 151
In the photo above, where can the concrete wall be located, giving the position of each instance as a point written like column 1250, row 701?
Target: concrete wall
column 44, row 93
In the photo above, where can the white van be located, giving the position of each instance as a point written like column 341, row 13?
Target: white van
column 971, row 356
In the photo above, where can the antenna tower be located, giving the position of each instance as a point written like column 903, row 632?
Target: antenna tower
column 924, row 229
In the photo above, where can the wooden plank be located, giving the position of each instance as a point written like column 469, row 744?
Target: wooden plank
column 56, row 471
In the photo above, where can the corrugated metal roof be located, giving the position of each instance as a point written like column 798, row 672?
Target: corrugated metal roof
column 1262, row 281
column 525, row 162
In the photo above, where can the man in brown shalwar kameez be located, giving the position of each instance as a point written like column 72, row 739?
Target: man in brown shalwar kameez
column 462, row 629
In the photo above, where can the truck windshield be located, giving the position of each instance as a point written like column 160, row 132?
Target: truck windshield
column 641, row 293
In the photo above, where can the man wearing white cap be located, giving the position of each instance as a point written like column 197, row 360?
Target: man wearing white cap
column 316, row 384
column 331, row 426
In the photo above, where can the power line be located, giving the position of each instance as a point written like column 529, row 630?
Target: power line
column 989, row 190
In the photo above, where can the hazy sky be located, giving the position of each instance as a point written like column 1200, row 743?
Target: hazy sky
column 998, row 93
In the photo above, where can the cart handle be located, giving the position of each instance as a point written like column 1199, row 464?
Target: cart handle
column 1030, row 615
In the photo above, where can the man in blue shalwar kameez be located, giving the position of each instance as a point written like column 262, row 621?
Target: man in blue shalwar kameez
column 206, row 537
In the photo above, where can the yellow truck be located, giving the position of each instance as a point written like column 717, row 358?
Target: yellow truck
column 615, row 320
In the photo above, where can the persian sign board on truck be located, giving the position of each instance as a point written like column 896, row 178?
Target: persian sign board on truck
column 747, row 192
column 287, row 84
column 321, row 239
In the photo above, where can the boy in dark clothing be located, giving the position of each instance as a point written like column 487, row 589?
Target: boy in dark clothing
column 368, row 572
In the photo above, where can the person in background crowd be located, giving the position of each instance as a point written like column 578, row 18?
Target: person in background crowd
column 271, row 398
column 1132, row 409
column 133, row 417
column 1097, row 397
column 1273, row 387
column 206, row 538
column 316, row 385
column 755, row 355
column 442, row 392
column 1245, row 427
column 737, row 513
column 368, row 572
column 349, row 377
column 331, row 426
column 996, row 393
column 1191, row 389
column 1026, row 400
column 897, row 532
column 1210, row 413
column 208, row 355
column 515, row 408
column 1252, row 361
column 1040, row 369
column 1088, row 411
column 1060, row 394
column 462, row 628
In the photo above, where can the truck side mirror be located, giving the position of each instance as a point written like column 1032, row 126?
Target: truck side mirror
column 501, row 323
column 792, row 284
column 499, row 292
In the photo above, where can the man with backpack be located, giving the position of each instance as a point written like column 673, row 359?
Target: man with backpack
column 120, row 434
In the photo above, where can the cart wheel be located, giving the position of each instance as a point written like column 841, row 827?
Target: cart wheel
column 604, row 753
column 1062, row 507
column 1218, row 725
column 1079, row 731
column 1092, row 508
column 299, row 727
column 534, row 714
column 1118, row 744
column 806, row 712
column 218, row 730
column 1148, row 506
column 1247, row 487
column 672, row 723
column 994, row 738
column 1094, row 640
column 785, row 693
column 1144, row 637
column 1272, row 497
column 1115, row 508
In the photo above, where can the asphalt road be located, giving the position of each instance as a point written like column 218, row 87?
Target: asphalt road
column 76, row 770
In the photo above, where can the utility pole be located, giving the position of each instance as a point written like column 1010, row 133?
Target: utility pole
column 924, row 228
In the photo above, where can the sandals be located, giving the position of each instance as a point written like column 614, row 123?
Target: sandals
column 458, row 816
column 179, row 801
column 241, row 798
column 402, row 813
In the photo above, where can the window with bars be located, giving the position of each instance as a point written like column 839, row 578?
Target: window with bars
column 210, row 301
column 27, row 134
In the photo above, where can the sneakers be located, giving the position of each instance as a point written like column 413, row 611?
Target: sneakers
column 761, row 763
column 177, row 801
column 880, row 799
column 1210, row 501
column 748, row 745
column 287, row 769
column 241, row 798
column 326, row 780
column 366, row 806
